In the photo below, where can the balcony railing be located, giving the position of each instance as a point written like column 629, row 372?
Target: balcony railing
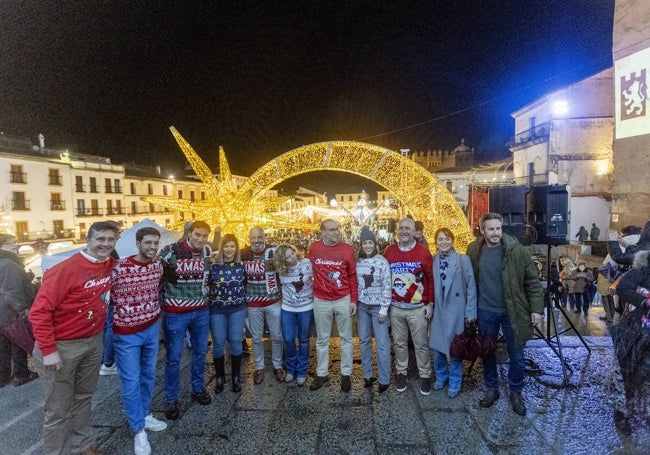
column 57, row 205
column 20, row 204
column 113, row 189
column 55, row 180
column 80, row 188
column 541, row 131
column 89, row 212
column 45, row 235
column 115, row 211
column 17, row 177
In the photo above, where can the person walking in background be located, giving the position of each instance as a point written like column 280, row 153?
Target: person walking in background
column 135, row 282
column 186, row 309
column 594, row 233
column 510, row 299
column 581, row 276
column 108, row 366
column 582, row 234
column 226, row 290
column 263, row 303
column 68, row 317
column 374, row 278
column 411, row 303
column 16, row 296
column 455, row 307
column 335, row 296
column 297, row 280
column 568, row 283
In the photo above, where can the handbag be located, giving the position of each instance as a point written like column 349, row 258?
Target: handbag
column 472, row 344
column 19, row 331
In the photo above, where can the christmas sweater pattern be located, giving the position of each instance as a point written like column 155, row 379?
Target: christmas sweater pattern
column 298, row 287
column 134, row 292
column 226, row 287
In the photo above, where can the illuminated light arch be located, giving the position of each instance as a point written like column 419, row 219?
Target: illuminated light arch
column 236, row 210
column 416, row 188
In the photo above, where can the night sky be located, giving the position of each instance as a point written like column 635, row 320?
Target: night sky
column 262, row 78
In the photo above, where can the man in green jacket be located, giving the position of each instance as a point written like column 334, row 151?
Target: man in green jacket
column 510, row 297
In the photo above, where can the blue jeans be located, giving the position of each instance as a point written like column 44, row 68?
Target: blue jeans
column 581, row 301
column 296, row 325
column 108, row 355
column 452, row 372
column 136, row 356
column 175, row 325
column 230, row 326
column 367, row 322
column 489, row 322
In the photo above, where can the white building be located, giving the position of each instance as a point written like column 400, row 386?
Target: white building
column 566, row 137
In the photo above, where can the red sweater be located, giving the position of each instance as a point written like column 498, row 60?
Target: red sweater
column 335, row 271
column 411, row 276
column 71, row 302
column 134, row 291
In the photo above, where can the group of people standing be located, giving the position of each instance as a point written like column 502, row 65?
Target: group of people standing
column 426, row 298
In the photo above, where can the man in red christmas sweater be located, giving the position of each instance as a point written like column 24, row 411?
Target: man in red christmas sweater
column 335, row 296
column 68, row 318
column 134, row 290
column 412, row 303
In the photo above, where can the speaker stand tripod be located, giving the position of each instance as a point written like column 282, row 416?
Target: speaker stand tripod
column 552, row 338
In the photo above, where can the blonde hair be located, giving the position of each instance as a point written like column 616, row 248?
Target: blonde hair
column 280, row 258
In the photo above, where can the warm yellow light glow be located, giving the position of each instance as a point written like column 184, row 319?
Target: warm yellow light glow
column 236, row 210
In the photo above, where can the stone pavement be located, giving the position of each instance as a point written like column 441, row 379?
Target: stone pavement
column 276, row 418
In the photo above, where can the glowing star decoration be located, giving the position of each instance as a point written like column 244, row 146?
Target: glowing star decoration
column 235, row 210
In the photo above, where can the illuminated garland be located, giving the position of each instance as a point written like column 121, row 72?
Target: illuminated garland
column 236, row 210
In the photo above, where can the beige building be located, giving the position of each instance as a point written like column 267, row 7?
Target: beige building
column 631, row 56
column 565, row 137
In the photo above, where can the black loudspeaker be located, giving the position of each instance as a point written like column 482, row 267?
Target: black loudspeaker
column 510, row 202
column 548, row 211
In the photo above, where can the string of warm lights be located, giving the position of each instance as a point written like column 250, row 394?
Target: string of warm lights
column 237, row 210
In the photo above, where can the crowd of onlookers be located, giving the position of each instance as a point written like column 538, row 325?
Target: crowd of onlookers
column 96, row 313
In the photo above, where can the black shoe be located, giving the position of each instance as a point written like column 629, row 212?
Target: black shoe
column 401, row 383
column 490, row 397
column 577, row 311
column 318, row 382
column 622, row 423
column 235, row 368
column 425, row 386
column 203, row 397
column 517, row 403
column 383, row 388
column 172, row 411
column 368, row 382
column 346, row 384
column 219, row 375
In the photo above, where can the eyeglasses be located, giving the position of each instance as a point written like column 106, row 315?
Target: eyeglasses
column 334, row 229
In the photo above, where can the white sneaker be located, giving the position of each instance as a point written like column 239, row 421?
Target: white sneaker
column 153, row 424
column 107, row 371
column 141, row 444
column 288, row 377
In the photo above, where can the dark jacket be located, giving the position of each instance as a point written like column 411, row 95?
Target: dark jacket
column 522, row 291
column 637, row 276
column 16, row 290
column 625, row 258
